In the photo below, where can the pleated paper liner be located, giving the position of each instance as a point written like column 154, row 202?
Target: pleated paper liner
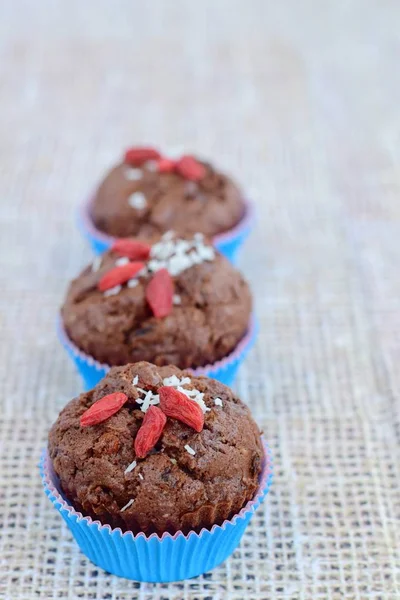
column 155, row 558
column 228, row 243
column 224, row 370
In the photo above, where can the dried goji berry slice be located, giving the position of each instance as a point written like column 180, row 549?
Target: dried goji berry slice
column 160, row 292
column 180, row 407
column 119, row 275
column 190, row 168
column 103, row 409
column 166, row 165
column 137, row 156
column 150, row 431
column 133, row 249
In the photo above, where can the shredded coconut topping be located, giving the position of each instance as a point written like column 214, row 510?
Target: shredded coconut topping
column 171, row 381
column 123, row 260
column 177, row 255
column 96, row 264
column 137, row 200
column 194, row 394
column 141, row 476
column 174, row 254
column 113, row 291
column 132, row 283
column 130, row 467
column 149, row 400
column 173, row 460
column 189, row 449
column 127, row 505
column 152, row 165
column 217, row 401
column 133, row 174
column 152, row 399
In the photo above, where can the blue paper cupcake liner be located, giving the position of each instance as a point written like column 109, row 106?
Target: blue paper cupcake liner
column 154, row 558
column 228, row 243
column 224, row 370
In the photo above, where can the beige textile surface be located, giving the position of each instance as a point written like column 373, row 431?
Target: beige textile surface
column 301, row 100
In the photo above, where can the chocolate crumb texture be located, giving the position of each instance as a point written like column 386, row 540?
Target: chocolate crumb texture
column 189, row 479
column 183, row 304
column 146, row 199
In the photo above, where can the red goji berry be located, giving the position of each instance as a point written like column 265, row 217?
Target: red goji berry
column 166, row 165
column 190, row 168
column 119, row 275
column 160, row 292
column 150, row 431
column 133, row 249
column 178, row 406
column 103, row 409
column 137, row 156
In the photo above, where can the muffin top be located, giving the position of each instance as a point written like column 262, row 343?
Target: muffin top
column 141, row 466
column 176, row 302
column 144, row 197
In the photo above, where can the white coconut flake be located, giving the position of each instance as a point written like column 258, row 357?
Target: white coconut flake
column 185, row 381
column 199, row 400
column 135, row 380
column 172, row 381
column 127, row 505
column 146, row 401
column 162, row 250
column 96, row 264
column 141, row 390
column 132, row 283
column 156, row 265
column 114, row 290
column 195, row 258
column 190, row 449
column 182, row 246
column 217, row 401
column 122, row 261
column 152, row 165
column 168, row 235
column 141, row 476
column 173, row 460
column 189, row 393
column 206, row 252
column 176, row 299
column 198, row 237
column 177, row 255
column 137, row 200
column 179, row 263
column 132, row 174
column 130, row 467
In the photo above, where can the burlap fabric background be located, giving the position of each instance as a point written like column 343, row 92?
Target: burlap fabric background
column 301, row 100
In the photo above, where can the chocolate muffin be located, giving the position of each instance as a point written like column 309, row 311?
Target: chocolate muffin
column 176, row 302
column 154, row 449
column 146, row 195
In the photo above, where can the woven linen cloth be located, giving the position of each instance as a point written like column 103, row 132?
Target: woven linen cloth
column 300, row 101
